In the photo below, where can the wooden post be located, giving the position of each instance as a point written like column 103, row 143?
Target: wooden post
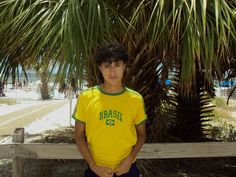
column 18, row 164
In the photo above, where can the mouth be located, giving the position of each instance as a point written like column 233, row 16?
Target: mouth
column 113, row 78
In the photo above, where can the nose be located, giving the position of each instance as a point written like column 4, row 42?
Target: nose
column 112, row 69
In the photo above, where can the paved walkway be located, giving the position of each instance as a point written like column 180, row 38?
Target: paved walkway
column 34, row 114
column 22, row 117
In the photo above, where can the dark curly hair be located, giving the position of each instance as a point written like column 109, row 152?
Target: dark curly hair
column 108, row 53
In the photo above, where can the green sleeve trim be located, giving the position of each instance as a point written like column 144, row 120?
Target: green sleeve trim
column 133, row 91
column 142, row 122
column 76, row 119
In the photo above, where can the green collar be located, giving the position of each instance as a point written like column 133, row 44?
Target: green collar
column 111, row 94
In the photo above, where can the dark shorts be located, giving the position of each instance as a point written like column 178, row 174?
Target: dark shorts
column 133, row 172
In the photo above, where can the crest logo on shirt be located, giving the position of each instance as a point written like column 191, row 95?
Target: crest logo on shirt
column 110, row 116
column 110, row 122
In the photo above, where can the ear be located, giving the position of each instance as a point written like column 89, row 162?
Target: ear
column 99, row 66
column 124, row 66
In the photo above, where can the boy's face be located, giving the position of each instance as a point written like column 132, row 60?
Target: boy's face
column 113, row 72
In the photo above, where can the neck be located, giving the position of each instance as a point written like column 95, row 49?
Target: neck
column 112, row 88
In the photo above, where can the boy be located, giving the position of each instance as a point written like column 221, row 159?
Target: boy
column 110, row 128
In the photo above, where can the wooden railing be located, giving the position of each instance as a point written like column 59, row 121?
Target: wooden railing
column 18, row 152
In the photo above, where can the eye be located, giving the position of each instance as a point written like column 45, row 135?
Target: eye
column 106, row 65
column 118, row 63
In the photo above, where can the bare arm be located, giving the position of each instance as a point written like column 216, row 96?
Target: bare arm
column 125, row 164
column 141, row 137
column 84, row 150
column 81, row 142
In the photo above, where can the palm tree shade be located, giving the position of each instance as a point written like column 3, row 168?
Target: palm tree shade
column 193, row 36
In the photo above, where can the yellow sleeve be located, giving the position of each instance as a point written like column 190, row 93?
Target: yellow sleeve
column 141, row 115
column 78, row 113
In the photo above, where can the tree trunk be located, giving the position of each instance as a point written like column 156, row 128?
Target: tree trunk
column 44, row 85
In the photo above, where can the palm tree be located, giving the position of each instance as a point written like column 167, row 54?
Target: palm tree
column 194, row 37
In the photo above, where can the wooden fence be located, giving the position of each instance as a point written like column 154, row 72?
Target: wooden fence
column 18, row 152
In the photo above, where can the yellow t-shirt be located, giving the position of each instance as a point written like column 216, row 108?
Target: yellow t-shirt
column 110, row 121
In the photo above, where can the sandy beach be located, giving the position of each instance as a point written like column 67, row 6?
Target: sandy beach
column 60, row 117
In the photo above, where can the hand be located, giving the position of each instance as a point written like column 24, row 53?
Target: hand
column 102, row 171
column 124, row 166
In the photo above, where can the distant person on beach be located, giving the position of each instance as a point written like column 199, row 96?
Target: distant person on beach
column 1, row 88
column 110, row 119
column 5, row 84
column 63, row 89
